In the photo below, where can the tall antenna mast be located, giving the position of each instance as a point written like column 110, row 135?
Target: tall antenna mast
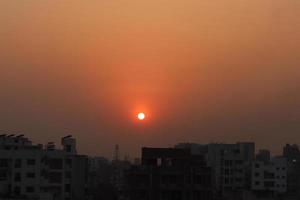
column 117, row 153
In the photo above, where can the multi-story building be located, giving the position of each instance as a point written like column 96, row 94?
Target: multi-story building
column 169, row 174
column 269, row 177
column 99, row 179
column 230, row 163
column 263, row 155
column 292, row 154
column 96, row 163
column 34, row 172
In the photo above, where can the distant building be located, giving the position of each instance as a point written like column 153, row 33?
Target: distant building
column 29, row 171
column 263, row 155
column 269, row 178
column 196, row 149
column 169, row 173
column 292, row 154
column 231, row 166
column 96, row 163
column 230, row 163
column 99, row 179
column 118, row 176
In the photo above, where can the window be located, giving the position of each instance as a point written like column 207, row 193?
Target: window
column 30, row 175
column 226, row 180
column 17, row 177
column 17, row 190
column 68, row 162
column 3, row 175
column 30, row 161
column 55, row 177
column 55, row 163
column 238, row 162
column 228, row 162
column 256, row 165
column 268, row 175
column 257, row 183
column 237, row 151
column 256, row 174
column 3, row 162
column 29, row 189
column 68, row 174
column 169, row 162
column 159, row 162
column 43, row 189
column 68, row 148
column 226, row 172
column 18, row 163
column 68, row 188
column 238, row 179
column 269, row 184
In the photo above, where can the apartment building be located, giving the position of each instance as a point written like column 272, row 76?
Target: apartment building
column 29, row 171
column 269, row 177
column 230, row 163
column 169, row 174
column 292, row 153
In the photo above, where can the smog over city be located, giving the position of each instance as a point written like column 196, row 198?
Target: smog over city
column 132, row 82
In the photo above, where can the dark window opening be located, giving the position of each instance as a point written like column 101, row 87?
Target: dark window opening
column 30, row 189
column 30, row 161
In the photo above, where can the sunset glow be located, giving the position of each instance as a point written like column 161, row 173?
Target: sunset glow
column 129, row 72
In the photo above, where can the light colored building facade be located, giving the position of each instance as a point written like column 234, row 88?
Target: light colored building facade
column 230, row 163
column 270, row 176
column 34, row 172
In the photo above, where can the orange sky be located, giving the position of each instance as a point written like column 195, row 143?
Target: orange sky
column 203, row 71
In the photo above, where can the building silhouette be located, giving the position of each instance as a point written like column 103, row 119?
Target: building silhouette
column 292, row 154
column 189, row 171
column 169, row 174
column 230, row 163
column 263, row 155
column 269, row 178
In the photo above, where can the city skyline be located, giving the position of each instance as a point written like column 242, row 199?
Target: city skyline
column 185, row 171
column 201, row 71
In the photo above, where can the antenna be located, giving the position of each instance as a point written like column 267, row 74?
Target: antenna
column 116, row 153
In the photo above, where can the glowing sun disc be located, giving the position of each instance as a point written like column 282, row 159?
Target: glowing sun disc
column 141, row 116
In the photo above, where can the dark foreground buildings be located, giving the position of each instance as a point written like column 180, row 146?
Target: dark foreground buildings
column 292, row 154
column 37, row 172
column 186, row 172
column 214, row 171
column 169, row 174
column 230, row 164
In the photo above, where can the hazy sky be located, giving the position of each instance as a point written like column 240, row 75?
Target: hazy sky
column 202, row 71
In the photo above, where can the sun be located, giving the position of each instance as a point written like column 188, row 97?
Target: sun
column 141, row 116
